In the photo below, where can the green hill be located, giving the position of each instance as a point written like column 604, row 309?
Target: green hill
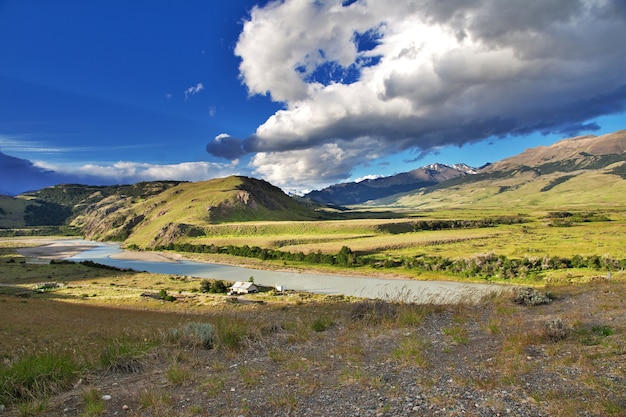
column 58, row 205
column 12, row 212
column 579, row 172
column 18, row 213
column 78, row 197
column 184, row 209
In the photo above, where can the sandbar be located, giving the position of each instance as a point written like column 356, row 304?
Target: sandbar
column 54, row 249
column 147, row 256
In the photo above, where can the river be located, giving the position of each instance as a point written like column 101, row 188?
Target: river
column 361, row 286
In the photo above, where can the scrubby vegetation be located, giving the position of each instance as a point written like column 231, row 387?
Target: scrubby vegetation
column 531, row 297
column 486, row 266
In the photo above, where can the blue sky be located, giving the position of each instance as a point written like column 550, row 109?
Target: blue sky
column 301, row 93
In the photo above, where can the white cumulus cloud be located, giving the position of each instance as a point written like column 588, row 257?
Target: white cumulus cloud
column 374, row 77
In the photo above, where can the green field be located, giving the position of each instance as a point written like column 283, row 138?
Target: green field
column 452, row 235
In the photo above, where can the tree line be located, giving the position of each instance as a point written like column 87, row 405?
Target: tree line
column 486, row 266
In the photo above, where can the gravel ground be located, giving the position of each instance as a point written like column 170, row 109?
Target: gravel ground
column 495, row 359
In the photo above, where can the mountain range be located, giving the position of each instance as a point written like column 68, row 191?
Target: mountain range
column 372, row 189
column 578, row 172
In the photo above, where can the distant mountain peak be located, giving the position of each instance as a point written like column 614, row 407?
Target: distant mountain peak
column 381, row 187
column 466, row 168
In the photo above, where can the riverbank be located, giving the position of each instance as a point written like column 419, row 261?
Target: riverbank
column 331, row 282
column 63, row 248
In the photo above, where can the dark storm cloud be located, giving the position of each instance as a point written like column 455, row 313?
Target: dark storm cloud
column 20, row 175
column 227, row 147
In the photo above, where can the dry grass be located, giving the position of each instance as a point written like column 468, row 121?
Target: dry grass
column 291, row 350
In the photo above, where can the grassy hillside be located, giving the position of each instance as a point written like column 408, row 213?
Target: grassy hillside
column 78, row 197
column 11, row 212
column 586, row 171
column 57, row 205
column 19, row 213
column 524, row 189
column 186, row 209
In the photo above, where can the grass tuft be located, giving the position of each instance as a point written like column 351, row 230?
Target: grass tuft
column 155, row 400
column 178, row 375
column 94, row 404
column 411, row 352
column 373, row 311
column 35, row 377
column 322, row 323
column 457, row 333
column 125, row 354
column 231, row 333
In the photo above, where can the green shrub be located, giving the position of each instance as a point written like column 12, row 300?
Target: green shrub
column 194, row 334
column 163, row 295
column 213, row 286
column 556, row 329
column 531, row 297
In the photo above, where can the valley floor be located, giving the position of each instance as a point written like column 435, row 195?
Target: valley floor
column 302, row 355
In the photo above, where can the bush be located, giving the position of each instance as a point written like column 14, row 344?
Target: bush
column 556, row 329
column 213, row 286
column 165, row 297
column 195, row 334
column 531, row 297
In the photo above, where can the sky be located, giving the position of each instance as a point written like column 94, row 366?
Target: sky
column 301, row 93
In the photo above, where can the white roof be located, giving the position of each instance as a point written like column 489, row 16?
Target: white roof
column 242, row 285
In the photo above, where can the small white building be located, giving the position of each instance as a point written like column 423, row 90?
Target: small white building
column 241, row 287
